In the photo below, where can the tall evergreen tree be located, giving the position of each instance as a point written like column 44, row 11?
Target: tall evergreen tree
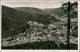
column 71, row 9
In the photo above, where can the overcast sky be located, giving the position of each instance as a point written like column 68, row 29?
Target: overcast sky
column 41, row 5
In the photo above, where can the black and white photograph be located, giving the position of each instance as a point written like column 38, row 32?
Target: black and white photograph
column 39, row 25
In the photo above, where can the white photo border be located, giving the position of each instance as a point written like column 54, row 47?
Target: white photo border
column 42, row 50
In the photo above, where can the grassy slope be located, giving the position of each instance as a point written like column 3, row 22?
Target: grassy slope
column 41, row 45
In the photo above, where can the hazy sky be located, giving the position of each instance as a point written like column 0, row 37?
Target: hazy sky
column 41, row 5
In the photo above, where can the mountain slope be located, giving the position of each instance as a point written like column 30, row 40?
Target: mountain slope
column 13, row 19
column 31, row 10
column 56, row 11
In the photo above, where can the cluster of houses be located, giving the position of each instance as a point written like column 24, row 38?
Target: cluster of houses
column 40, row 32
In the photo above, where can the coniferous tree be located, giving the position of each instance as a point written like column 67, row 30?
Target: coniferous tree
column 71, row 10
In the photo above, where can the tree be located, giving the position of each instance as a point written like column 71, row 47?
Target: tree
column 71, row 10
